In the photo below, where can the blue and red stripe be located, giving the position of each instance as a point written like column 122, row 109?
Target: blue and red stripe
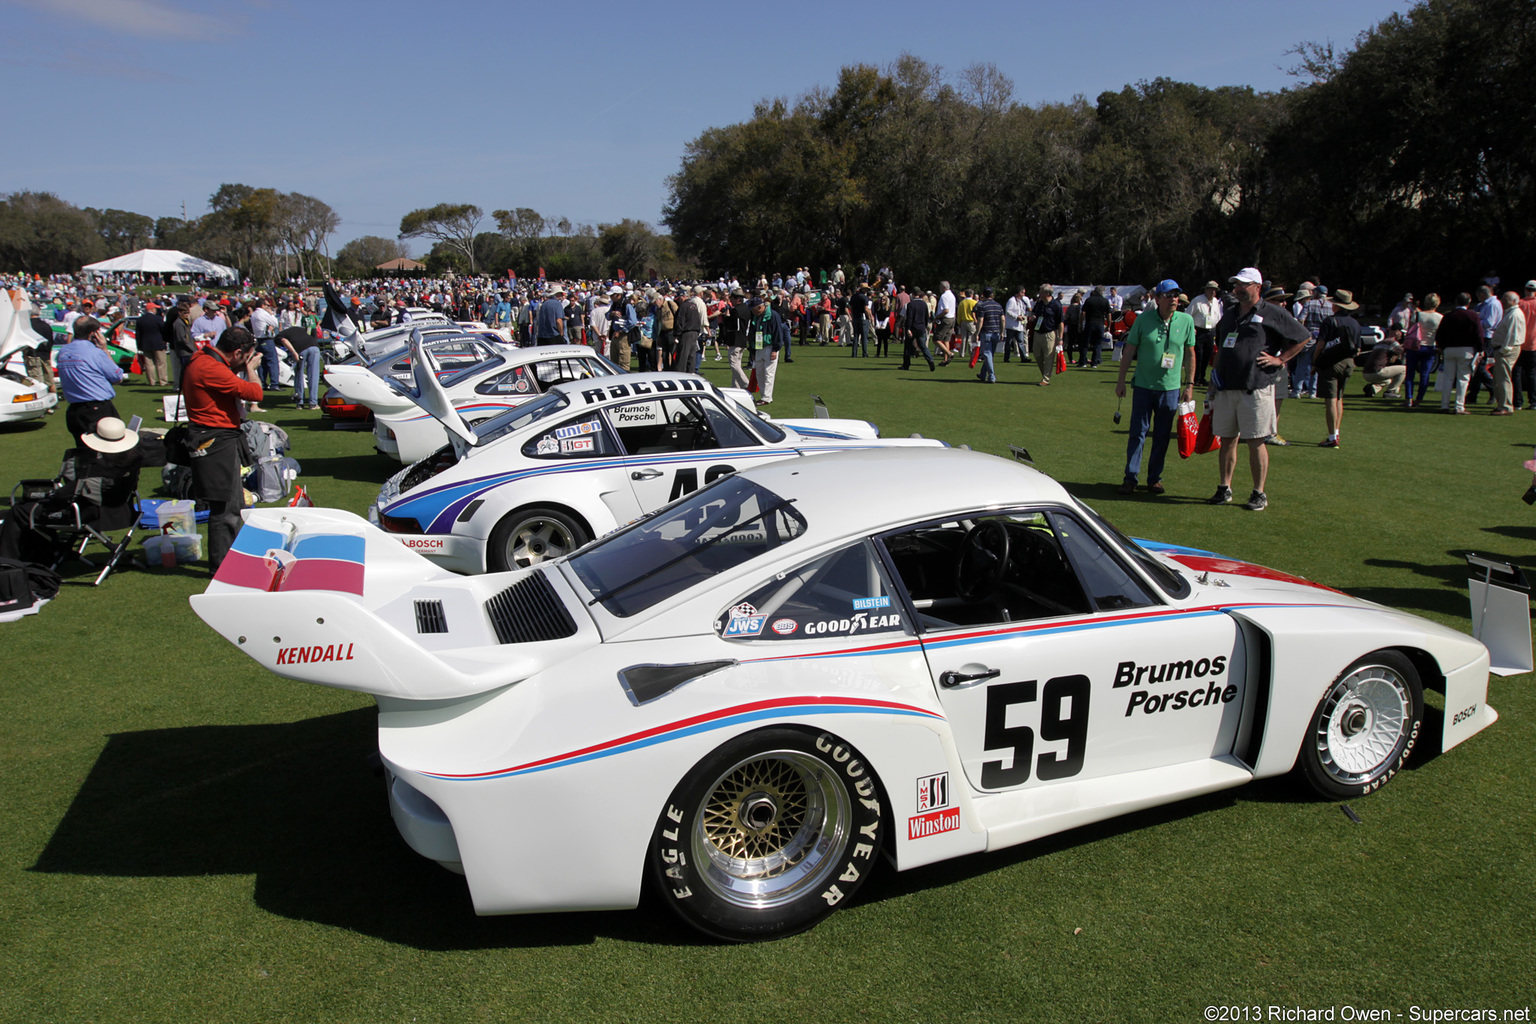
column 741, row 714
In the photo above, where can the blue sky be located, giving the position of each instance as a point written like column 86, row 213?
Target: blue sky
column 578, row 109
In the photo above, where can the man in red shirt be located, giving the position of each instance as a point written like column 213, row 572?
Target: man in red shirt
column 214, row 391
column 1525, row 366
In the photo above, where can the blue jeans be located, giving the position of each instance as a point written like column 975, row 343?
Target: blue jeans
column 1016, row 343
column 307, row 370
column 1157, row 409
column 857, row 346
column 1421, row 363
column 988, row 341
column 1302, row 377
column 270, row 367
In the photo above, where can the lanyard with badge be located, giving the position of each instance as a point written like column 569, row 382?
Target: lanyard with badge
column 1230, row 341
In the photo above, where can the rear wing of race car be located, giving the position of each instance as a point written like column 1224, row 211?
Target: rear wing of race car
column 323, row 596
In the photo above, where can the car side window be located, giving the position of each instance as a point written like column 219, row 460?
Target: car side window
column 658, row 426
column 558, row 371
column 516, row 381
column 841, row 594
column 985, row 569
column 1108, row 582
column 582, row 438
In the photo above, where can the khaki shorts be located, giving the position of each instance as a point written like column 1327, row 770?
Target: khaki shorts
column 1241, row 414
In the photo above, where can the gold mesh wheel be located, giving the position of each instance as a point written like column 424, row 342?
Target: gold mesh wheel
column 770, row 828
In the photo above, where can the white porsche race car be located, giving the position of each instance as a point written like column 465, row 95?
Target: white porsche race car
column 480, row 380
column 21, row 397
column 748, row 698
column 541, row 480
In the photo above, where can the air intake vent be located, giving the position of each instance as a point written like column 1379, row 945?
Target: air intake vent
column 529, row 610
column 430, row 617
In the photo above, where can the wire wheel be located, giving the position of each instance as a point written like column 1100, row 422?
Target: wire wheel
column 1365, row 726
column 771, row 828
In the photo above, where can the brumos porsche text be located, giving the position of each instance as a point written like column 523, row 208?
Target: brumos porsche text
column 1129, row 673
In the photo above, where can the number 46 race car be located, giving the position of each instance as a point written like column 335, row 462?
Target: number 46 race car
column 544, row 478
column 751, row 697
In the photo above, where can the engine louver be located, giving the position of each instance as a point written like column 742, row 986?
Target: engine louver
column 430, row 617
column 528, row 611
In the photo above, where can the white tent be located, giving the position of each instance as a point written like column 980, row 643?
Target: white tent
column 163, row 261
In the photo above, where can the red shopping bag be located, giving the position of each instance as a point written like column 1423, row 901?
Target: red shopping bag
column 1205, row 436
column 1189, row 430
column 1061, row 361
column 752, row 381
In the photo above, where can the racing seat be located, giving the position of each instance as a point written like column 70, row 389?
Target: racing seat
column 64, row 515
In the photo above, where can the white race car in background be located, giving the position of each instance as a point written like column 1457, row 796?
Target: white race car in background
column 21, row 397
column 749, row 698
column 481, row 380
column 541, row 480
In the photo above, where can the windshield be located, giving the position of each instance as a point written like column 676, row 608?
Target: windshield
column 521, row 416
column 700, row 536
column 1175, row 584
column 768, row 431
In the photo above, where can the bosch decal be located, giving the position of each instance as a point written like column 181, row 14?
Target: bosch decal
column 934, row 823
column 422, row 543
column 933, row 792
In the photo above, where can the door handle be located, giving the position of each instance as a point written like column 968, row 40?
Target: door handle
column 645, row 474
column 956, row 678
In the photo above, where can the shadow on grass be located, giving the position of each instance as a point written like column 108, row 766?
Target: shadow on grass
column 1450, row 596
column 374, row 468
column 300, row 807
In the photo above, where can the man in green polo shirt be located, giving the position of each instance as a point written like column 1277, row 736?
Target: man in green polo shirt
column 1163, row 344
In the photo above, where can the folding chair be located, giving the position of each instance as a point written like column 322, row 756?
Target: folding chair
column 75, row 523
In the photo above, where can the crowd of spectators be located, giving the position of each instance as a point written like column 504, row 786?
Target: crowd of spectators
column 1301, row 344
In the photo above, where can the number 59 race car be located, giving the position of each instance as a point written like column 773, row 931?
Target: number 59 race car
column 748, row 698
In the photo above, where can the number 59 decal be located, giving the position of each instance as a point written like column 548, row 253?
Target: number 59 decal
column 1063, row 716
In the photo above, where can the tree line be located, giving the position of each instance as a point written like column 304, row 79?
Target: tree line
column 1405, row 161
column 265, row 233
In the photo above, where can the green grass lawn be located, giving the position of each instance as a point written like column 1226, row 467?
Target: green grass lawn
column 186, row 837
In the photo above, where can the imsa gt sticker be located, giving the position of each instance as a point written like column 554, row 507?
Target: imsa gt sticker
column 933, row 792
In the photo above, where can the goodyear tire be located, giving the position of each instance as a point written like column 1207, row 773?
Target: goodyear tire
column 530, row 536
column 1364, row 727
column 767, row 835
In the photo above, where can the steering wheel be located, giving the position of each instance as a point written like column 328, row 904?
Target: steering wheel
column 983, row 561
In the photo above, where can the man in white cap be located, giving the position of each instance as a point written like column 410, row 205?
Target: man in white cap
column 1254, row 339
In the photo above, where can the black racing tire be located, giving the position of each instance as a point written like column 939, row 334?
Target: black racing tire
column 1364, row 727
column 529, row 536
column 768, row 835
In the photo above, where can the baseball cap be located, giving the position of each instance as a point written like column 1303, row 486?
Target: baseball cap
column 1248, row 275
column 1167, row 286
